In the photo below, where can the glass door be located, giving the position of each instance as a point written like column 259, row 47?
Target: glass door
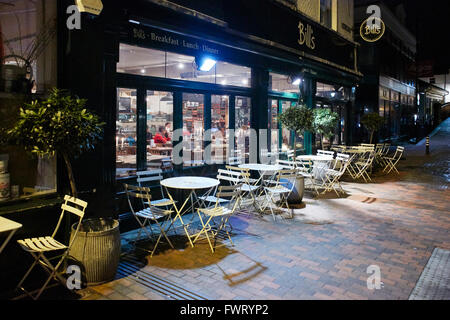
column 220, row 105
column 159, row 130
column 193, row 129
column 126, row 132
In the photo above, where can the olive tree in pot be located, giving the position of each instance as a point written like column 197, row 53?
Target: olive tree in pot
column 325, row 123
column 61, row 125
column 298, row 119
column 373, row 122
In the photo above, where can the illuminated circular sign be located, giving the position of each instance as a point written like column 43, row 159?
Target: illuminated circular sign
column 372, row 29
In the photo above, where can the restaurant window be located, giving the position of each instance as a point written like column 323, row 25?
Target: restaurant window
column 286, row 134
column 273, row 126
column 219, row 128
column 242, row 127
column 193, row 128
column 233, row 75
column 157, row 63
column 126, row 138
column 159, row 129
column 282, row 83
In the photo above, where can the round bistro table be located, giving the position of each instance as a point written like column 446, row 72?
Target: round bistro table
column 193, row 184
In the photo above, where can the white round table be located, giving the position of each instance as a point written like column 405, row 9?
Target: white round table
column 190, row 183
column 193, row 184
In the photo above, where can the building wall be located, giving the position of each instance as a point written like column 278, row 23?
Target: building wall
column 311, row 8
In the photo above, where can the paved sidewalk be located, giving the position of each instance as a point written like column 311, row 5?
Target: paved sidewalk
column 324, row 252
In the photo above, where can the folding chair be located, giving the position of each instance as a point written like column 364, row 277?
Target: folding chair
column 391, row 162
column 283, row 189
column 39, row 247
column 226, row 177
column 333, row 176
column 248, row 189
column 148, row 213
column 363, row 165
column 145, row 177
column 210, row 215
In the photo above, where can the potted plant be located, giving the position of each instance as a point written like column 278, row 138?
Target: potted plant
column 61, row 125
column 373, row 122
column 325, row 123
column 298, row 119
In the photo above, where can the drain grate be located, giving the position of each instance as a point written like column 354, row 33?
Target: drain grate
column 129, row 268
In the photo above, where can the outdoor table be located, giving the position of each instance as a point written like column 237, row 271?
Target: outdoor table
column 10, row 226
column 193, row 184
column 263, row 170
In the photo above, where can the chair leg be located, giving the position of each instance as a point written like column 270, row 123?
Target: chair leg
column 36, row 260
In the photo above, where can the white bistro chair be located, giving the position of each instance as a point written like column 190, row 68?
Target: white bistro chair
column 140, row 197
column 392, row 161
column 145, row 177
column 215, row 219
column 40, row 247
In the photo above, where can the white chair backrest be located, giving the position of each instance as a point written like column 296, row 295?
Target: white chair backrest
column 325, row 153
column 74, row 206
column 286, row 164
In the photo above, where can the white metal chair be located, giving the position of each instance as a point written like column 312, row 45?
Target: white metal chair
column 391, row 162
column 148, row 213
column 209, row 216
column 333, row 176
column 362, row 166
column 283, row 189
column 39, row 247
column 144, row 177
column 248, row 189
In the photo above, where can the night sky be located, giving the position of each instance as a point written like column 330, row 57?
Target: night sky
column 429, row 20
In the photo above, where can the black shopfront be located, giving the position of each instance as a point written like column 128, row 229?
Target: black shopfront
column 138, row 66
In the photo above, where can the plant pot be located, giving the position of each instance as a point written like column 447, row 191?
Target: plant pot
column 97, row 250
column 296, row 196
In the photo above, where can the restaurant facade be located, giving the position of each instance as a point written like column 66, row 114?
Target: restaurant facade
column 140, row 65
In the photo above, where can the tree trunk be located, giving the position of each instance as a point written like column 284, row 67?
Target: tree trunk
column 371, row 136
column 321, row 141
column 70, row 174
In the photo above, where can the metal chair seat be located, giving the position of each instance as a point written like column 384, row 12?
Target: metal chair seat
column 214, row 199
column 162, row 203
column 42, row 244
column 248, row 188
column 153, row 213
column 278, row 189
column 216, row 211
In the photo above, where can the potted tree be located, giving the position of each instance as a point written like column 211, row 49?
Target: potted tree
column 61, row 125
column 325, row 122
column 298, row 119
column 373, row 122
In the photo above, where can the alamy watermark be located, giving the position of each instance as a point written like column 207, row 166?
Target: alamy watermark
column 374, row 280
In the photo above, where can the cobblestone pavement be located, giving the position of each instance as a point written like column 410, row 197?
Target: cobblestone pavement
column 324, row 252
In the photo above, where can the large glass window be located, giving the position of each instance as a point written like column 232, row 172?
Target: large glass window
column 126, row 138
column 157, row 63
column 242, row 127
column 219, row 128
column 159, row 129
column 193, row 128
column 282, row 83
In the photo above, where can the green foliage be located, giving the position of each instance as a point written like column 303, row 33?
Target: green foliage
column 372, row 121
column 298, row 119
column 325, row 122
column 60, row 124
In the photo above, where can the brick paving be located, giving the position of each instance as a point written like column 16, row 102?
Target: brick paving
column 324, row 252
